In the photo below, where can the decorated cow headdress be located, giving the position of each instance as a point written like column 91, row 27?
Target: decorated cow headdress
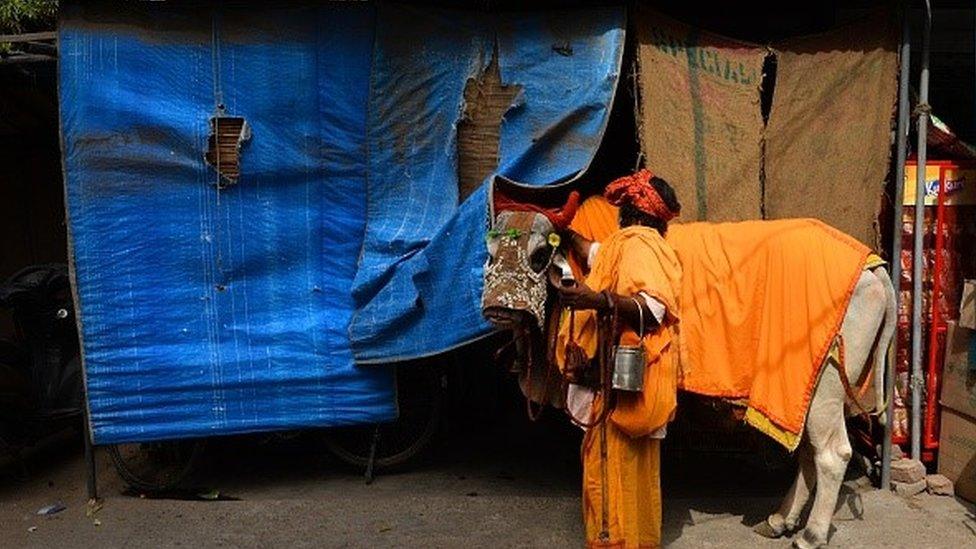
column 522, row 244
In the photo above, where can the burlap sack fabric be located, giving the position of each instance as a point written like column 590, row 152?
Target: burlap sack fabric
column 828, row 142
column 828, row 138
column 700, row 119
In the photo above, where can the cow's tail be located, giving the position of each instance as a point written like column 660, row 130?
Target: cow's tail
column 885, row 337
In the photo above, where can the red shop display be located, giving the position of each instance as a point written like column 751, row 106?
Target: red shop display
column 949, row 242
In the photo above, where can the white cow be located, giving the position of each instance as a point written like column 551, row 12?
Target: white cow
column 869, row 325
column 512, row 287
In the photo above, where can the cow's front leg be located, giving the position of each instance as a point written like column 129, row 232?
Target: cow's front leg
column 787, row 518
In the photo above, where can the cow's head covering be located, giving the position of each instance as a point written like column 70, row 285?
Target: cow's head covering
column 636, row 189
column 560, row 217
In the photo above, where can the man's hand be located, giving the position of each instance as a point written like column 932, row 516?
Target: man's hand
column 577, row 295
column 580, row 296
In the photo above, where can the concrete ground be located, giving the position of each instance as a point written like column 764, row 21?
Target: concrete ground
column 479, row 489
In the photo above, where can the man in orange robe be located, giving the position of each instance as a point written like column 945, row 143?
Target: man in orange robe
column 640, row 274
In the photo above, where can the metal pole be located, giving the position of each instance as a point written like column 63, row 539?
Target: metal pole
column 918, row 253
column 901, row 148
column 370, row 462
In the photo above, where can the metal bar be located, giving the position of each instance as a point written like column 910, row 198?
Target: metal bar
column 22, row 58
column 371, row 461
column 28, row 37
column 901, row 147
column 930, row 433
column 43, row 47
column 917, row 252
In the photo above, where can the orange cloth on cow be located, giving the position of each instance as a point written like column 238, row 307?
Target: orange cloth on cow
column 633, row 489
column 762, row 302
column 632, row 260
column 596, row 219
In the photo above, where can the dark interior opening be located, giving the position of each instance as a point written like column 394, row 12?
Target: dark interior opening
column 227, row 135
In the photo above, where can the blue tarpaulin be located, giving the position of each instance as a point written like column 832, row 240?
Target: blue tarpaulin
column 209, row 310
column 418, row 288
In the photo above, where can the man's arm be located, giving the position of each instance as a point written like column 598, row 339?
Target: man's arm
column 581, row 296
column 632, row 310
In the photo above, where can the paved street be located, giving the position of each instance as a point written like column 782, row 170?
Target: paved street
column 478, row 490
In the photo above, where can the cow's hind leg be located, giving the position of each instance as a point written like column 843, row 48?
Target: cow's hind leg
column 786, row 519
column 826, row 427
column 827, row 433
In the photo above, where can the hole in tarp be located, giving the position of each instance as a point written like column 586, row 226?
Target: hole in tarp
column 486, row 100
column 227, row 134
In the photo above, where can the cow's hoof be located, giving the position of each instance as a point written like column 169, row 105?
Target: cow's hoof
column 766, row 530
column 805, row 541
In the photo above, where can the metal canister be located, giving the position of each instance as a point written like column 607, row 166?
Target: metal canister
column 628, row 368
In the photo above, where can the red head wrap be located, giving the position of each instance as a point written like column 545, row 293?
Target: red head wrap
column 560, row 217
column 636, row 190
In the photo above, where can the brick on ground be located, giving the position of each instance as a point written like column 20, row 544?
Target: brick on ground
column 907, row 471
column 896, row 452
column 940, row 485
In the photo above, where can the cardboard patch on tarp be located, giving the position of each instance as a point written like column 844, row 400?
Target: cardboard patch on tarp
column 700, row 120
column 829, row 135
column 486, row 100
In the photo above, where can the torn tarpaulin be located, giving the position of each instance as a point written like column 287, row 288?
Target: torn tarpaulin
column 418, row 289
column 207, row 313
column 486, row 100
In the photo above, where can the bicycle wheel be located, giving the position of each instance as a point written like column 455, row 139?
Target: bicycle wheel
column 420, row 398
column 157, row 466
